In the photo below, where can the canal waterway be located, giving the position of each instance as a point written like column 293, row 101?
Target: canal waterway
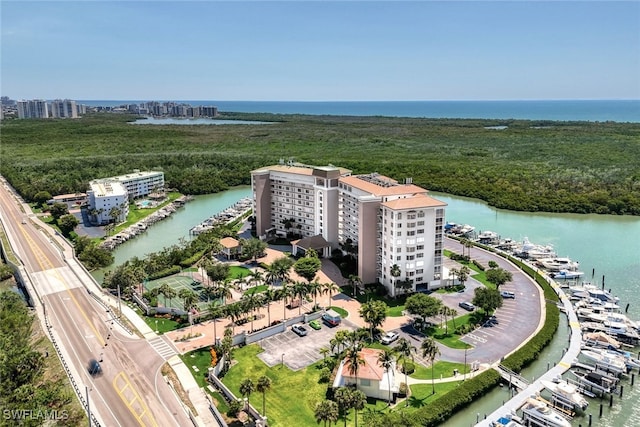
column 607, row 245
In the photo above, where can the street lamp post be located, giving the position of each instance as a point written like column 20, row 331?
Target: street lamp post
column 282, row 359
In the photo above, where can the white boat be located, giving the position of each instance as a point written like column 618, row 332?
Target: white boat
column 628, row 359
column 558, row 264
column 600, row 339
column 538, row 413
column 588, row 290
column 532, row 251
column 509, row 420
column 567, row 275
column 565, row 393
column 607, row 362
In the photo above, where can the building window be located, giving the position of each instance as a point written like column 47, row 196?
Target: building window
column 399, row 233
column 420, row 255
column 399, row 258
column 421, row 231
column 411, row 233
column 420, row 223
column 399, row 215
column 419, row 271
column 420, row 247
column 410, row 257
column 421, row 214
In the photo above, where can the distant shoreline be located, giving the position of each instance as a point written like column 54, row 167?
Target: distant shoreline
column 622, row 111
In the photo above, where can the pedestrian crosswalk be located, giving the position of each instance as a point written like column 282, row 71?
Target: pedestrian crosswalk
column 162, row 347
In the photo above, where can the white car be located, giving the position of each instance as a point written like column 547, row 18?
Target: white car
column 388, row 338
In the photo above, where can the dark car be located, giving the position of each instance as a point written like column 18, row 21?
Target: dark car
column 299, row 329
column 467, row 306
column 94, row 367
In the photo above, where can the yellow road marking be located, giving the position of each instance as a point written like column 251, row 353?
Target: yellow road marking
column 136, row 397
column 34, row 247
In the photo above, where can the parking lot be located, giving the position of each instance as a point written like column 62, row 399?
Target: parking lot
column 298, row 352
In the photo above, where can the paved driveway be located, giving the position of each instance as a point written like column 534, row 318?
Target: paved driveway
column 518, row 318
column 299, row 352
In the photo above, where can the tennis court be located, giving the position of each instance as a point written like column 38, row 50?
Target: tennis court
column 177, row 283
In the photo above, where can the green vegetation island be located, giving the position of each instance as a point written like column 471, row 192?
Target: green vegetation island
column 523, row 165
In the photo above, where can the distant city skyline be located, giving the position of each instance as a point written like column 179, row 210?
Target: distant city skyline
column 320, row 51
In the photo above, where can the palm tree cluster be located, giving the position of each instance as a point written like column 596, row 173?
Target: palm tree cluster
column 261, row 386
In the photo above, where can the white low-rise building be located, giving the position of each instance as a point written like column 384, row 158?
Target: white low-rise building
column 108, row 201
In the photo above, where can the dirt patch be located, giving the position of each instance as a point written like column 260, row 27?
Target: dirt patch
column 168, row 372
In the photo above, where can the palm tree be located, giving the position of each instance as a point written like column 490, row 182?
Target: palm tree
column 264, row 385
column 463, row 274
column 234, row 311
column 324, row 351
column 246, row 388
column 385, row 359
column 354, row 361
column 453, row 313
column 269, row 296
column 249, row 302
column 342, row 396
column 330, row 288
column 315, row 288
column 300, row 291
column 285, row 293
column 429, row 351
column 256, row 277
column 168, row 292
column 358, row 400
column 216, row 312
column 189, row 298
column 355, row 281
column 444, row 311
column 327, row 410
column 223, row 290
column 405, row 350
column 395, row 273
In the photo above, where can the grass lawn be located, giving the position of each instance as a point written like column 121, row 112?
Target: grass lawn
column 201, row 359
column 257, row 289
column 451, row 339
column 162, row 325
column 440, row 369
column 341, row 311
column 395, row 306
column 421, row 394
column 237, row 272
column 293, row 395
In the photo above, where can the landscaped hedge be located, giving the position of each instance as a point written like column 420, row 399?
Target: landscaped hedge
column 186, row 263
column 442, row 408
column 166, row 272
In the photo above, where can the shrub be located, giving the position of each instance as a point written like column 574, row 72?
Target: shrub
column 166, row 272
column 403, row 389
column 325, row 375
column 477, row 264
column 234, row 408
column 408, row 367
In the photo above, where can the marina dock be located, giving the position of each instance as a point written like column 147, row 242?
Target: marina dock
column 533, row 389
column 230, row 214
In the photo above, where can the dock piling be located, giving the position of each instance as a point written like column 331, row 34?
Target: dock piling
column 600, row 410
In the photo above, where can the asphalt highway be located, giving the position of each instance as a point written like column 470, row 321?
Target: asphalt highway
column 130, row 390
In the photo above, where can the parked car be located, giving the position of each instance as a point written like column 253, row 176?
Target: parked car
column 507, row 294
column 299, row 329
column 315, row 324
column 388, row 338
column 467, row 306
column 332, row 318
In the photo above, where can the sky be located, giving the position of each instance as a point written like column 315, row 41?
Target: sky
column 319, row 50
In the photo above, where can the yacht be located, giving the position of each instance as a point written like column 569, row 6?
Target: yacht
column 600, row 339
column 538, row 413
column 628, row 359
column 558, row 264
column 509, row 420
column 596, row 381
column 567, row 275
column 532, row 251
column 611, row 363
column 566, row 393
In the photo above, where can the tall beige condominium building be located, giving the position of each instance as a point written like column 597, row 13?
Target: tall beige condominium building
column 297, row 198
column 395, row 229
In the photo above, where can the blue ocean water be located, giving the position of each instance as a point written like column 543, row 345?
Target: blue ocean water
column 562, row 110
